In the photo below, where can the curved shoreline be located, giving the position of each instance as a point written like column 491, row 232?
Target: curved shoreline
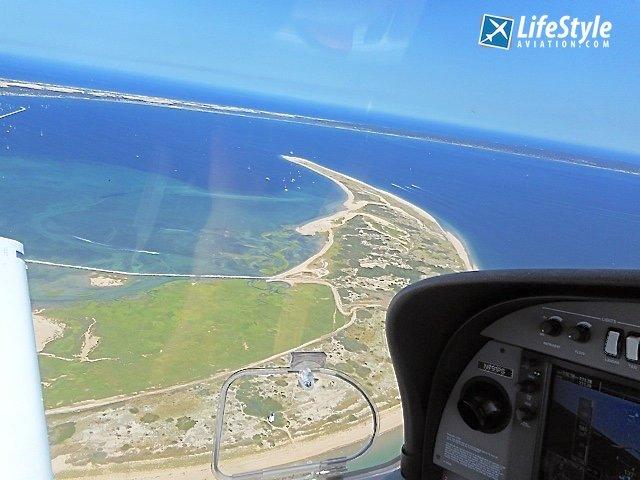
column 458, row 244
column 310, row 228
column 143, row 274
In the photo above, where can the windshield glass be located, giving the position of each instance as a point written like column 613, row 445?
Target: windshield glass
column 210, row 187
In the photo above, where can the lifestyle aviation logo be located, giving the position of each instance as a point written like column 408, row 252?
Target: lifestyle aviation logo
column 495, row 31
column 544, row 32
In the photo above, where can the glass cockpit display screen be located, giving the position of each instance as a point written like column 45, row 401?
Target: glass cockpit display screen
column 593, row 430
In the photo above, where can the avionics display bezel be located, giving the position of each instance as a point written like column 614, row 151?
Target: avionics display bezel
column 616, row 387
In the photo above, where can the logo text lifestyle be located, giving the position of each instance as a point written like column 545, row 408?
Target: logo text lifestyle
column 565, row 27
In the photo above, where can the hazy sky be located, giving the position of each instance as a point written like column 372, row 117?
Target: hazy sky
column 416, row 58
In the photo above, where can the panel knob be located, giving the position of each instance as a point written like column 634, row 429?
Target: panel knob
column 551, row 326
column 580, row 333
column 484, row 405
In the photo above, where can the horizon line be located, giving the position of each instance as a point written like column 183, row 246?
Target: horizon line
column 9, row 86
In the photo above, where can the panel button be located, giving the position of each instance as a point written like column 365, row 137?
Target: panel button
column 633, row 344
column 612, row 343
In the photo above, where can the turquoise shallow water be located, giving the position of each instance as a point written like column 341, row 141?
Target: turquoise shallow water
column 151, row 190
column 513, row 211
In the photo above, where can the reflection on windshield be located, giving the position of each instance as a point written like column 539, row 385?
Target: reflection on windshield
column 259, row 407
column 168, row 248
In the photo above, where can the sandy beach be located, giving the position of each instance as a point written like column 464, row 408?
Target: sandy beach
column 303, row 449
column 324, row 224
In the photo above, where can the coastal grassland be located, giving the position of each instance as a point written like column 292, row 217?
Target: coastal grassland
column 178, row 332
column 274, row 252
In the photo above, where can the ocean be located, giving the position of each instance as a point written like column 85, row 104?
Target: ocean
column 222, row 176
column 143, row 189
column 512, row 211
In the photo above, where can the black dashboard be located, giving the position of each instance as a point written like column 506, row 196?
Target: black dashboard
column 519, row 375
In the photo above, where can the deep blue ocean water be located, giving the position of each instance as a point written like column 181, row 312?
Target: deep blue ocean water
column 512, row 211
